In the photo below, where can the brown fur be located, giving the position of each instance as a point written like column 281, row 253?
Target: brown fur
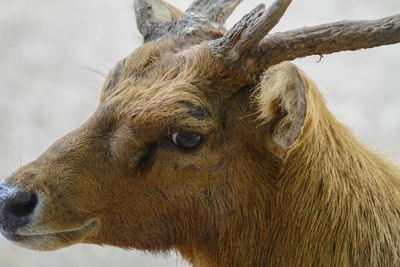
column 277, row 182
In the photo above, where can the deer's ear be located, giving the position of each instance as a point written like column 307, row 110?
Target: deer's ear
column 165, row 11
column 282, row 103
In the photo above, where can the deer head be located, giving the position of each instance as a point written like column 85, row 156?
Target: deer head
column 189, row 138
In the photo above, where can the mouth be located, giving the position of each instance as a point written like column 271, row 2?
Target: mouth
column 52, row 240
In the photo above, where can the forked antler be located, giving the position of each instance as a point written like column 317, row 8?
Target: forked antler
column 199, row 19
column 249, row 47
column 248, row 31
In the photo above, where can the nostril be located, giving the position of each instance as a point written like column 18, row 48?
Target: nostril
column 15, row 207
column 22, row 204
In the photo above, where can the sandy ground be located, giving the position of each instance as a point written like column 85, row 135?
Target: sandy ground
column 51, row 54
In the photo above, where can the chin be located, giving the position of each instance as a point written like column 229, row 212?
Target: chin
column 52, row 240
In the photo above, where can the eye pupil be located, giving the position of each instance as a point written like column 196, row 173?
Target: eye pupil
column 186, row 141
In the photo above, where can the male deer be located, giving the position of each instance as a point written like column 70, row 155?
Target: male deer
column 208, row 143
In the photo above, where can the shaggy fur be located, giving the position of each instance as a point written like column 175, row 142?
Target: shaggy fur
column 278, row 180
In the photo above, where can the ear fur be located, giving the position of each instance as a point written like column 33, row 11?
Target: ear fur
column 282, row 103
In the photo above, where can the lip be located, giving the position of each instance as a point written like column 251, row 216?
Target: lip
column 69, row 235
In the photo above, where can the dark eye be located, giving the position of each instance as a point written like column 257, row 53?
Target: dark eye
column 186, row 140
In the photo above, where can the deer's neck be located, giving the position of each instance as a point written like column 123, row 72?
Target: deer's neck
column 240, row 237
column 245, row 244
column 337, row 203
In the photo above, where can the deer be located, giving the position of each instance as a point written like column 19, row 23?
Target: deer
column 213, row 144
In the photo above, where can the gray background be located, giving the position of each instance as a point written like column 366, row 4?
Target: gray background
column 53, row 54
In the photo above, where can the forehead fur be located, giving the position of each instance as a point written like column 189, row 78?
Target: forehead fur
column 166, row 64
column 162, row 84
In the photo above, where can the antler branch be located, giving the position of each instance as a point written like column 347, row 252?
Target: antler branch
column 147, row 22
column 201, row 18
column 325, row 39
column 248, row 31
column 247, row 47
column 217, row 11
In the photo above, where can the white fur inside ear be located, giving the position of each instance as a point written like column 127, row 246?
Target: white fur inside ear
column 160, row 10
column 282, row 103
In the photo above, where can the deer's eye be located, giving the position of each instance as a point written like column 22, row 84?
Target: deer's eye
column 186, row 140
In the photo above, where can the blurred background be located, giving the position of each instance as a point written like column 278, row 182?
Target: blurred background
column 54, row 55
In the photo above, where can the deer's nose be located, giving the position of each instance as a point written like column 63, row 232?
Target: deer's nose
column 15, row 207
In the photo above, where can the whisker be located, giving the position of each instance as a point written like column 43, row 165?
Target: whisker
column 20, row 152
column 102, row 74
column 94, row 89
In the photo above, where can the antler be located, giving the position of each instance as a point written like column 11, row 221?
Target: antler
column 201, row 18
column 246, row 45
column 216, row 11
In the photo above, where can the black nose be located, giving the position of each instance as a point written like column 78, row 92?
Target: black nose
column 15, row 207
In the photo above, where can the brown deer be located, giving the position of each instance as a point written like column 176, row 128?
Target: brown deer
column 206, row 142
